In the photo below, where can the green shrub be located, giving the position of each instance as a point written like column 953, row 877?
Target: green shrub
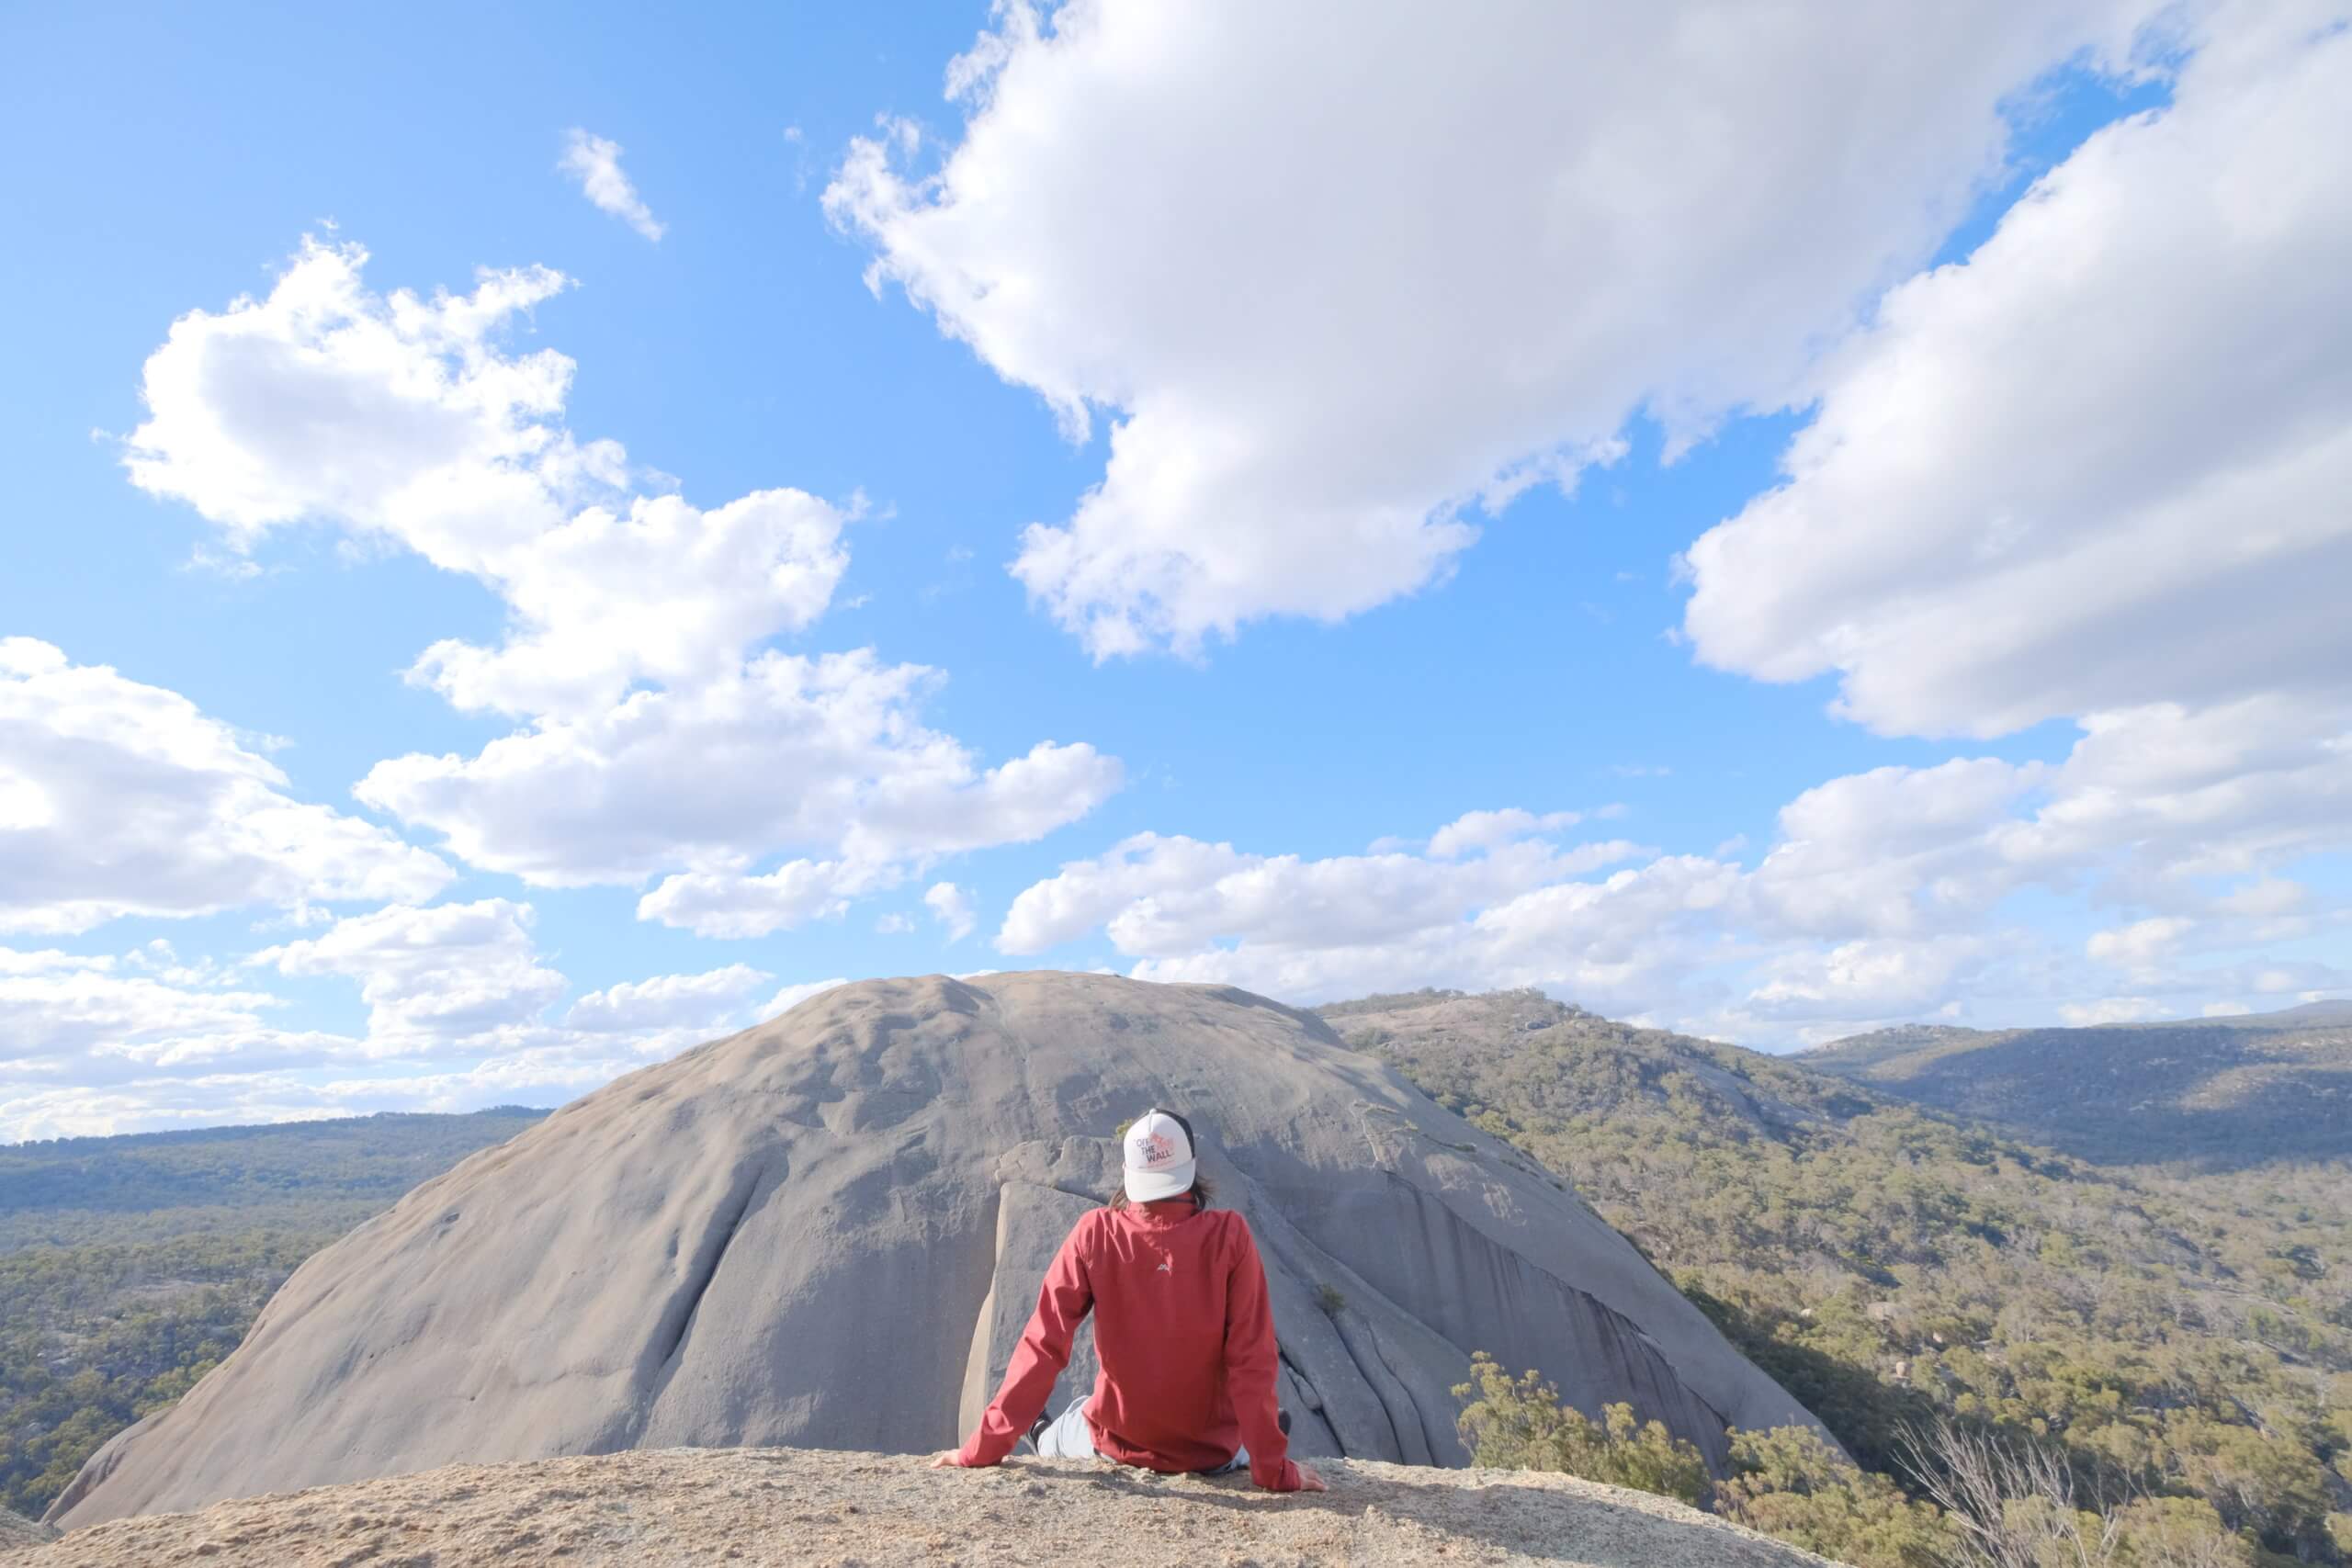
column 1789, row 1484
column 1522, row 1424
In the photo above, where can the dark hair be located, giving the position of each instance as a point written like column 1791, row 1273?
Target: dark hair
column 1199, row 1192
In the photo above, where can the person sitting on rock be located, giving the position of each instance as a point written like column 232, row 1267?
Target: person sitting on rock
column 1181, row 1327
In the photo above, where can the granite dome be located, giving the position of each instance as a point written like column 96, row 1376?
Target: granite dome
column 827, row 1231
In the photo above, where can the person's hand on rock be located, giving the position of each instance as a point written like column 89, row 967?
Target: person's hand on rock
column 951, row 1459
column 1308, row 1480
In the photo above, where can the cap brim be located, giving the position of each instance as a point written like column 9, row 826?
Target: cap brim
column 1151, row 1186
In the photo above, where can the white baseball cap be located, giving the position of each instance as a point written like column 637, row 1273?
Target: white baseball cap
column 1159, row 1158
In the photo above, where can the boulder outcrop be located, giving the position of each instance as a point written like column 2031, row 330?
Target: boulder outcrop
column 827, row 1231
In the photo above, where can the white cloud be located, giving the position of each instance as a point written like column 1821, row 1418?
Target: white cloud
column 119, row 798
column 2151, row 807
column 952, row 907
column 1486, row 829
column 659, row 736
column 2270, row 897
column 722, row 905
column 145, row 1105
column 436, row 980
column 791, row 753
column 1868, row 978
column 2060, row 481
column 1339, row 273
column 2112, row 1009
column 86, row 1021
column 47, row 961
column 1882, row 898
column 1287, row 902
column 2221, row 791
column 666, row 1001
column 1896, row 852
column 1088, row 893
column 1156, row 895
column 1620, row 943
column 692, row 588
column 2142, row 944
column 896, row 923
column 542, row 1077
column 944, row 808
column 404, row 422
column 119, row 1042
column 457, row 997
column 595, row 163
column 396, row 414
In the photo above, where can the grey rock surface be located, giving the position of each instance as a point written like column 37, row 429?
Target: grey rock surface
column 827, row 1231
column 1030, row 1224
column 838, row 1508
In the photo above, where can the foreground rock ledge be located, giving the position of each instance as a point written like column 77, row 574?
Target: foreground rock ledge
column 804, row 1505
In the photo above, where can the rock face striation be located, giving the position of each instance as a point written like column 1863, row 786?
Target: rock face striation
column 828, row 1231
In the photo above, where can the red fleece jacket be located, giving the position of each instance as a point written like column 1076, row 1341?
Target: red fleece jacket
column 1184, row 1334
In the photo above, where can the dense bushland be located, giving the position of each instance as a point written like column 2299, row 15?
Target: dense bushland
column 2179, row 1338
column 130, row 1267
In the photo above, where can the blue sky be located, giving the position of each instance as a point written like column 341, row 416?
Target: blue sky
column 1801, row 508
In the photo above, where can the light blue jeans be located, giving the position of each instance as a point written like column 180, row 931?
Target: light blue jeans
column 1070, row 1437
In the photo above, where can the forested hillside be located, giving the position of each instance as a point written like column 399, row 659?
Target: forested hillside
column 2189, row 1334
column 130, row 1266
column 2219, row 1093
